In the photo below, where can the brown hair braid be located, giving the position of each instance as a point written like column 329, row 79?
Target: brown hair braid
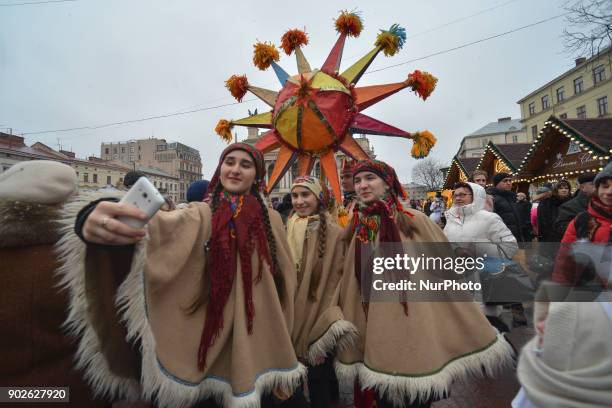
column 317, row 270
column 274, row 268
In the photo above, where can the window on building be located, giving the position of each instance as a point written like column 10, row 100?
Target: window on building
column 581, row 112
column 578, row 85
column 95, row 179
column 107, row 151
column 534, row 131
column 77, row 173
column 602, row 106
column 155, row 183
column 599, row 74
column 138, row 157
column 86, row 177
column 123, row 150
column 545, row 102
column 514, row 138
column 532, row 108
column 131, row 149
column 108, row 180
column 563, row 116
column 560, row 94
column 484, row 142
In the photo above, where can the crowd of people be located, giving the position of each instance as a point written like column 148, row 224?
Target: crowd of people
column 233, row 301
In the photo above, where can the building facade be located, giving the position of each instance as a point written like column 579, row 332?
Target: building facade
column 504, row 131
column 583, row 92
column 415, row 191
column 14, row 150
column 174, row 159
column 92, row 173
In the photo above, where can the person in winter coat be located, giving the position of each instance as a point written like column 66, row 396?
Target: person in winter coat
column 577, row 204
column 548, row 210
column 36, row 350
column 317, row 247
column 523, row 206
column 427, row 206
column 591, row 226
column 541, row 193
column 569, row 362
column 207, row 294
column 408, row 352
column 504, row 204
column 480, row 177
column 437, row 208
column 468, row 221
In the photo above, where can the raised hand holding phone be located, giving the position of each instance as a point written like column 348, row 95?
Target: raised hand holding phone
column 144, row 196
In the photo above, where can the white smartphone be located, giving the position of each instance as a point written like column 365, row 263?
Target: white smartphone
column 145, row 196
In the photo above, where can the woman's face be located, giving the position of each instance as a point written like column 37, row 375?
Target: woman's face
column 481, row 180
column 604, row 191
column 304, row 202
column 237, row 172
column 563, row 191
column 462, row 196
column 369, row 186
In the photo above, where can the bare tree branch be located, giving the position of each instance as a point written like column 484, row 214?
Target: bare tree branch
column 591, row 26
column 427, row 173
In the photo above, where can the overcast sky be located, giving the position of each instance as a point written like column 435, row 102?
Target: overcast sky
column 93, row 62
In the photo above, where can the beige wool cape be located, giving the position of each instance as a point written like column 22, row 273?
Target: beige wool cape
column 147, row 306
column 415, row 356
column 319, row 325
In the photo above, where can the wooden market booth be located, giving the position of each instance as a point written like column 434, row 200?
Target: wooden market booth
column 564, row 149
column 506, row 158
column 460, row 170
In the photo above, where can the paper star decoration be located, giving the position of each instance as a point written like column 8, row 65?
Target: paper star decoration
column 317, row 111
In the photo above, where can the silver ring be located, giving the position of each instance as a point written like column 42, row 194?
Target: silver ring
column 104, row 222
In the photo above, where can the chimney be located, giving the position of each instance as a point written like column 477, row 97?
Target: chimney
column 580, row 60
column 12, row 140
column 95, row 159
column 67, row 153
column 506, row 119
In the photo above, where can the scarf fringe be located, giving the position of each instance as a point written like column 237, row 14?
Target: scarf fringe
column 399, row 389
column 341, row 334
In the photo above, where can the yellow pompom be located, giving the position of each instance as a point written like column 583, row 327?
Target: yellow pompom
column 264, row 54
column 423, row 142
column 224, row 129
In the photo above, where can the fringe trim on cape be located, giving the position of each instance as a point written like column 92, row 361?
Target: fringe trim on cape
column 399, row 389
column 341, row 334
column 89, row 358
column 155, row 383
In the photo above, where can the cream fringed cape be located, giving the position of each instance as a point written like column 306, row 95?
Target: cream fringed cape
column 319, row 325
column 415, row 356
column 146, row 306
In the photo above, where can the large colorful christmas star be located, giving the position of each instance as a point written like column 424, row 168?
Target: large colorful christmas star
column 317, row 111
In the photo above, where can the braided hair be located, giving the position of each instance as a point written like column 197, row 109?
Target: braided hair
column 275, row 267
column 317, row 270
